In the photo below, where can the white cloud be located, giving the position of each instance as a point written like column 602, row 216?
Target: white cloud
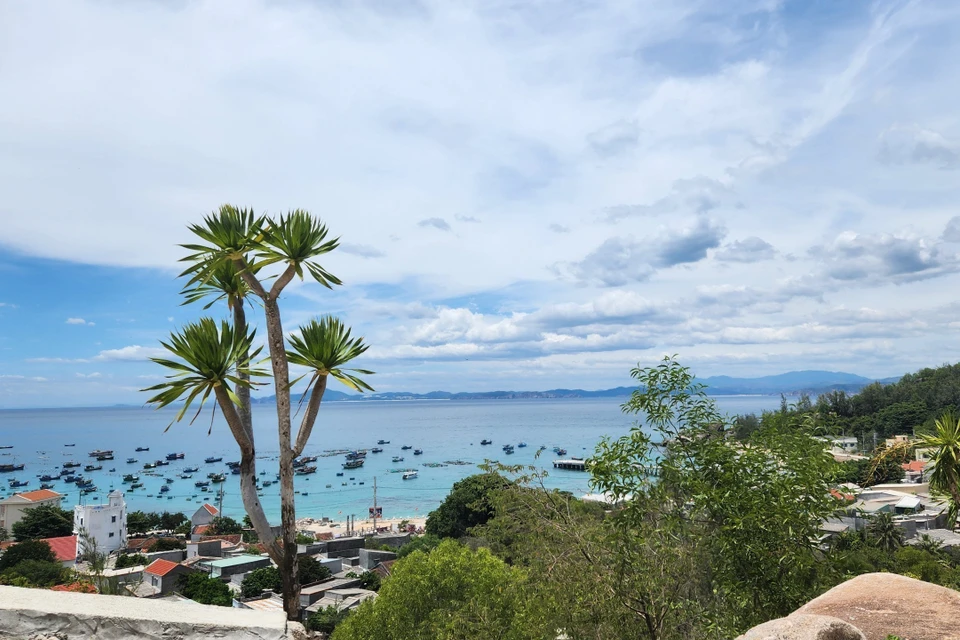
column 95, row 374
column 131, row 353
column 80, row 321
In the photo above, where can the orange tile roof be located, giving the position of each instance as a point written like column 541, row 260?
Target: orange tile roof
column 914, row 465
column 39, row 494
column 326, row 535
column 201, row 529
column 64, row 547
column 161, row 567
column 232, row 538
column 212, row 510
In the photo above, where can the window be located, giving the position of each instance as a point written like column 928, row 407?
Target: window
column 114, row 519
column 111, row 534
column 81, row 520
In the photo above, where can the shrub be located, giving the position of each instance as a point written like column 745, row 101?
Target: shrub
column 201, row 588
column 260, row 580
column 326, row 620
column 37, row 573
column 312, row 571
column 27, row 550
column 169, row 544
column 131, row 560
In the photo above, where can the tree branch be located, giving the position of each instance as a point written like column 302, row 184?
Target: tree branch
column 249, row 278
column 283, row 281
column 310, row 417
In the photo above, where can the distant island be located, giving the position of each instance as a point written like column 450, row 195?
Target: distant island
column 791, row 383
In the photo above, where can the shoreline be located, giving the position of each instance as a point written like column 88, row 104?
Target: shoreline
column 360, row 527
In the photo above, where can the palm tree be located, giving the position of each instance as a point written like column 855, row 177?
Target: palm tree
column 884, row 532
column 236, row 243
column 945, row 461
column 926, row 543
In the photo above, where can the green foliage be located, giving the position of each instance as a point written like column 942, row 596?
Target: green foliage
column 945, row 478
column 27, row 550
column 224, row 526
column 201, row 588
column 370, row 580
column 184, row 529
column 311, row 570
column 44, row 521
column 303, row 538
column 879, row 469
column 4, row 535
column 260, row 580
column 425, row 543
column 139, row 523
column 469, row 504
column 326, row 620
column 171, row 521
column 169, row 544
column 452, row 592
column 131, row 560
column 883, row 533
column 324, row 346
column 35, row 573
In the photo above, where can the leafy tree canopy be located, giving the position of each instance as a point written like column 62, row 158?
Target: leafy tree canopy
column 201, row 588
column 260, row 580
column 312, row 571
column 27, row 550
column 224, row 525
column 469, row 504
column 326, row 620
column 44, row 521
column 35, row 573
column 131, row 560
column 169, row 544
column 425, row 543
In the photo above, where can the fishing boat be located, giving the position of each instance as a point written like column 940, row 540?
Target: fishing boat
column 100, row 452
column 383, row 442
column 164, row 489
column 131, row 478
column 202, row 483
column 136, row 485
column 191, row 469
column 521, row 445
column 353, row 464
column 267, row 483
column 409, row 475
column 70, row 465
column 9, row 446
column 356, row 455
column 150, row 465
column 174, row 456
column 168, row 480
column 17, row 483
column 376, row 450
column 143, row 448
column 67, row 472
column 162, row 463
column 4, row 468
column 131, row 460
column 405, row 447
column 92, row 467
column 86, row 490
column 395, row 459
column 71, row 478
column 235, row 471
column 562, row 452
column 217, row 478
column 212, row 459
column 186, row 476
column 307, row 470
column 70, row 445
column 418, row 452
column 46, row 486
column 106, row 456
column 486, row 441
column 47, row 477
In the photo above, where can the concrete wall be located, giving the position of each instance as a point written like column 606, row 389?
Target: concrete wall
column 28, row 613
column 344, row 547
column 395, row 540
column 208, row 548
column 369, row 558
column 334, row 564
column 174, row 555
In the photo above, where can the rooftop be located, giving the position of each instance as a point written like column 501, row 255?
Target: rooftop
column 64, row 547
column 235, row 561
column 212, row 510
column 39, row 494
column 161, row 567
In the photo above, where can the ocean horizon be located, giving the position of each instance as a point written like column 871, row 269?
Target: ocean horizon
column 449, row 433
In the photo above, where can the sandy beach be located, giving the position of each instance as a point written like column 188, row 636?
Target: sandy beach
column 360, row 527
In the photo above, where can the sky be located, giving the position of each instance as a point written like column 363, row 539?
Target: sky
column 529, row 195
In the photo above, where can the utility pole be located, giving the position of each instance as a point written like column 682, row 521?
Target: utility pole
column 220, row 505
column 374, row 505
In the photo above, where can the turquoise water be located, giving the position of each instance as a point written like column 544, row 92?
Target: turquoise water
column 445, row 430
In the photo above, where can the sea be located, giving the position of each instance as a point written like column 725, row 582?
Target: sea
column 448, row 432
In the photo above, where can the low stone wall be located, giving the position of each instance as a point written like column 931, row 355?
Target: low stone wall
column 35, row 614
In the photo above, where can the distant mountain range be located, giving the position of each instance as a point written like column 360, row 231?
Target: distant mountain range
column 792, row 383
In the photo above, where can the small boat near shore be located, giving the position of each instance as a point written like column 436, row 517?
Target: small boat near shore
column 212, row 459
column 70, row 465
column 5, row 468
column 131, row 460
column 376, row 450
column 143, row 448
column 96, row 453
column 485, row 441
column 418, row 452
column 354, row 464
column 92, row 467
column 175, row 456
column 410, row 475
column 405, row 447
column 383, row 442
column 7, row 446
column 398, row 458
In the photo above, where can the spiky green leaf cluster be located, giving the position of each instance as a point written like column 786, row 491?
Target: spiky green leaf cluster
column 324, row 345
column 224, row 283
column 296, row 239
column 208, row 357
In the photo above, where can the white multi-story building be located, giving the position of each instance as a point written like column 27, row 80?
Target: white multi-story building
column 104, row 523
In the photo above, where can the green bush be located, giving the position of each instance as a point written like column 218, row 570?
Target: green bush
column 260, row 580
column 169, row 544
column 312, row 571
column 37, row 573
column 326, row 620
column 201, row 588
column 27, row 550
column 45, row 521
column 469, row 504
column 131, row 560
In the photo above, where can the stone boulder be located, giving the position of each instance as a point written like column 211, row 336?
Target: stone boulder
column 882, row 604
column 804, row 627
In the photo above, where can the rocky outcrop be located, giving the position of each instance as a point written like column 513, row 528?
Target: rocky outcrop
column 882, row 604
column 871, row 607
column 804, row 627
column 46, row 615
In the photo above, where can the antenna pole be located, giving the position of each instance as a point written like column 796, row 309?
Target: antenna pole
column 374, row 505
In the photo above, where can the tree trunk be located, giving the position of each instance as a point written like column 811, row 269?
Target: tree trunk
column 243, row 392
column 248, row 487
column 288, row 514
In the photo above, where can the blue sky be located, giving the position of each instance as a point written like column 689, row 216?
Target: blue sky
column 529, row 194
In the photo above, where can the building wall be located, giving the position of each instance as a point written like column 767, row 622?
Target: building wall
column 106, row 523
column 202, row 516
column 11, row 514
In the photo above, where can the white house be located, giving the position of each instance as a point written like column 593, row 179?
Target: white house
column 105, row 523
column 204, row 515
column 11, row 509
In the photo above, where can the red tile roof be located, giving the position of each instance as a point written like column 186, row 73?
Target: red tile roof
column 326, row 535
column 161, row 567
column 212, row 510
column 65, row 547
column 75, row 587
column 232, row 538
column 39, row 494
column 384, row 568
column 201, row 529
column 914, row 465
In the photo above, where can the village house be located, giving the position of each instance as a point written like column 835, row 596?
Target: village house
column 65, row 549
column 160, row 577
column 13, row 508
column 105, row 525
